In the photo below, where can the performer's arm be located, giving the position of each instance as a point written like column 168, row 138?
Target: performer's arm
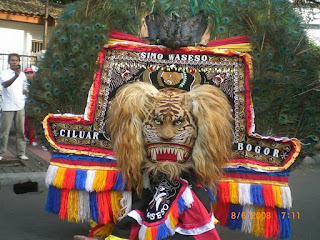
column 8, row 83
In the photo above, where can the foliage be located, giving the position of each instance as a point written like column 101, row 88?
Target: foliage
column 286, row 65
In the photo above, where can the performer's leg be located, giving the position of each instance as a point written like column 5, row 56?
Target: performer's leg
column 19, row 125
column 32, row 136
column 6, row 122
column 26, row 123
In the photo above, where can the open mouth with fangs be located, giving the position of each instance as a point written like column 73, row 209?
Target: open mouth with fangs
column 161, row 152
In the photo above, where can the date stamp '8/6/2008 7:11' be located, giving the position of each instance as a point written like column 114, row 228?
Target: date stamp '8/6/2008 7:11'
column 263, row 215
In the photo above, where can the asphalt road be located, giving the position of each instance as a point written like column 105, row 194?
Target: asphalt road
column 23, row 216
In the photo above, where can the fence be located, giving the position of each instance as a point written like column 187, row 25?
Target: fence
column 25, row 61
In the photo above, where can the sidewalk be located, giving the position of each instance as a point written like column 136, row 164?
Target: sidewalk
column 14, row 170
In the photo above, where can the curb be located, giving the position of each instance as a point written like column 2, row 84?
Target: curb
column 13, row 178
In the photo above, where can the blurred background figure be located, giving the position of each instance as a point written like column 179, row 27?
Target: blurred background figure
column 13, row 102
column 28, row 126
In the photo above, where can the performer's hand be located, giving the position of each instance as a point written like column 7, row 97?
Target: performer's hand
column 17, row 71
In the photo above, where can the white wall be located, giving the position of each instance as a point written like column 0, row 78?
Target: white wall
column 312, row 20
column 16, row 37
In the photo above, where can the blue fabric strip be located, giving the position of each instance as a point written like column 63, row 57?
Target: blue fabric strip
column 211, row 195
column 234, row 220
column 94, row 206
column 181, row 205
column 118, row 185
column 163, row 231
column 53, row 200
column 82, row 157
column 284, row 222
column 256, row 195
column 80, row 180
column 244, row 170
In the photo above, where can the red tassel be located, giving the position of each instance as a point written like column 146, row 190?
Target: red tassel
column 92, row 231
column 271, row 227
column 103, row 207
column 134, row 231
column 222, row 212
column 268, row 195
column 175, row 210
column 69, row 178
column 109, row 201
column 111, row 179
column 223, row 192
column 64, row 203
column 154, row 231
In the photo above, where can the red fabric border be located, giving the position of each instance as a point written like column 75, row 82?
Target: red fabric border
column 256, row 177
column 155, row 49
column 225, row 41
column 83, row 163
column 125, row 36
column 85, row 148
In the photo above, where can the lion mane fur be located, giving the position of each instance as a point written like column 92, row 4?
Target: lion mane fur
column 211, row 111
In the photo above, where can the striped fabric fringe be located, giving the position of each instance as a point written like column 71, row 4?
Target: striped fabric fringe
column 87, row 180
column 80, row 206
column 268, row 222
column 167, row 227
column 258, row 209
column 254, row 194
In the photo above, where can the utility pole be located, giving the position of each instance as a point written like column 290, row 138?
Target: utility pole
column 45, row 35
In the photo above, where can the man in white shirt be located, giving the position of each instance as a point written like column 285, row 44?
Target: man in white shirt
column 13, row 101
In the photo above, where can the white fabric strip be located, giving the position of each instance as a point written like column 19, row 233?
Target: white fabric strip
column 247, row 220
column 286, row 197
column 89, row 181
column 133, row 214
column 196, row 231
column 169, row 226
column 244, row 193
column 187, row 197
column 50, row 175
column 126, row 203
column 85, row 115
column 84, row 206
column 142, row 232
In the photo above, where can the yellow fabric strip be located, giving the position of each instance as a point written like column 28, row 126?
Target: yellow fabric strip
column 116, row 196
column 104, row 230
column 58, row 180
column 99, row 181
column 233, row 192
column 73, row 206
column 113, row 40
column 240, row 180
column 148, row 234
column 241, row 47
column 83, row 167
column 277, row 196
column 111, row 237
column 172, row 221
column 258, row 221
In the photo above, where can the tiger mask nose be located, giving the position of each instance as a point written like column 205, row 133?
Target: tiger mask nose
column 166, row 139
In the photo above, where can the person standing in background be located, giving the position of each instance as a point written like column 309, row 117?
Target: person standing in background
column 28, row 126
column 13, row 102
